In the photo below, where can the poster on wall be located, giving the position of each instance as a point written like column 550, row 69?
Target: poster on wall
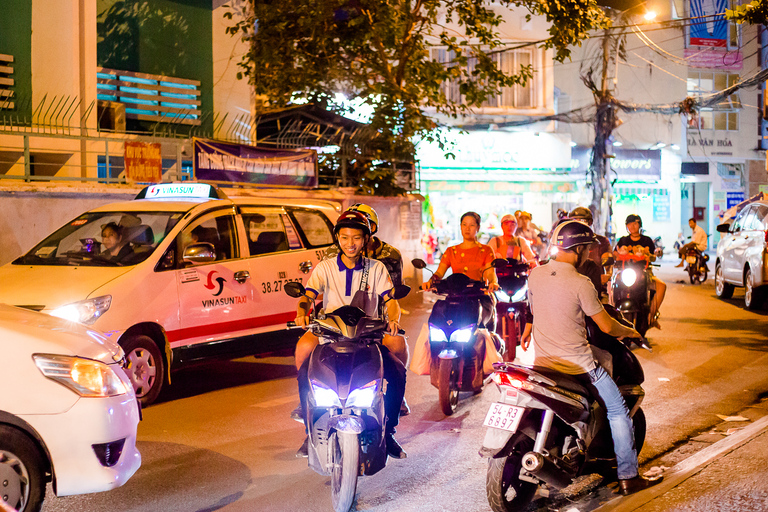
column 661, row 208
column 238, row 163
column 707, row 29
column 143, row 162
column 733, row 198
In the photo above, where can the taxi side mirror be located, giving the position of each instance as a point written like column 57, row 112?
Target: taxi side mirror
column 202, row 252
column 723, row 228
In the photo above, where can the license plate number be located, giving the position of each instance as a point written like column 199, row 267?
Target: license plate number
column 504, row 417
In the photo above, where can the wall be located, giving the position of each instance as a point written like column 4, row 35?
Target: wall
column 16, row 40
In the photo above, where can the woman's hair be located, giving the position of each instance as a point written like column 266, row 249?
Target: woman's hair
column 474, row 215
column 113, row 226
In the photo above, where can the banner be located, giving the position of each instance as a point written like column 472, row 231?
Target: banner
column 627, row 163
column 143, row 162
column 238, row 163
column 709, row 30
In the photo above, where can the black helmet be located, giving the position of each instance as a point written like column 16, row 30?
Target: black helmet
column 352, row 219
column 571, row 233
column 580, row 212
column 633, row 218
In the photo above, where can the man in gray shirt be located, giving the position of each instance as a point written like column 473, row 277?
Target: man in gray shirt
column 560, row 297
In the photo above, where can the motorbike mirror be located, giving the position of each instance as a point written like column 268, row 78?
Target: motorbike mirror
column 609, row 261
column 294, row 289
column 400, row 291
column 419, row 263
column 499, row 263
column 723, row 228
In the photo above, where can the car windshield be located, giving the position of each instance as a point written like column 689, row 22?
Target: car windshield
column 103, row 239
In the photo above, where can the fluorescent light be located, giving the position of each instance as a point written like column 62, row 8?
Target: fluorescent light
column 618, row 143
column 674, row 146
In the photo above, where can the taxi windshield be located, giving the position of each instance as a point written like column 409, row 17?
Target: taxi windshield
column 103, row 239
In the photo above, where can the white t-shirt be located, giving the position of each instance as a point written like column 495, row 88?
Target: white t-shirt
column 699, row 237
column 338, row 284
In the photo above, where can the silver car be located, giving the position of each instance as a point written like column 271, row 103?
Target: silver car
column 741, row 255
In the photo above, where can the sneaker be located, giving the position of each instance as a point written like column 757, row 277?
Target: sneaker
column 304, row 450
column 394, row 449
column 404, row 409
column 639, row 483
column 298, row 414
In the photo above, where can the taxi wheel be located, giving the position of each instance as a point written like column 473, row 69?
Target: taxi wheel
column 22, row 471
column 145, row 367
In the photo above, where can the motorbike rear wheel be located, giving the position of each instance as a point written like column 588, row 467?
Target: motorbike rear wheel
column 346, row 467
column 503, row 487
column 692, row 274
column 639, row 424
column 448, row 385
column 703, row 275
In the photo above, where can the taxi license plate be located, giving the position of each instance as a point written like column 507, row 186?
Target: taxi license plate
column 504, row 417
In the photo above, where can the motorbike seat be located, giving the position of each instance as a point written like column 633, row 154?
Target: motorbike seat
column 567, row 382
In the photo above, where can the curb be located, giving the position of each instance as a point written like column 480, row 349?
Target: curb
column 687, row 468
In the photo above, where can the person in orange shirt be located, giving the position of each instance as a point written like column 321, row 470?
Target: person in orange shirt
column 510, row 246
column 473, row 259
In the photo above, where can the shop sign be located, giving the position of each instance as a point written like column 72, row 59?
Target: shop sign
column 143, row 162
column 661, row 208
column 627, row 163
column 710, row 142
column 711, row 30
column 733, row 198
column 238, row 163
column 498, row 187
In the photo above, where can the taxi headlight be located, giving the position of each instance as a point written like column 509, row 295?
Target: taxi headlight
column 628, row 277
column 463, row 335
column 325, row 397
column 85, row 377
column 436, row 334
column 85, row 311
column 363, row 397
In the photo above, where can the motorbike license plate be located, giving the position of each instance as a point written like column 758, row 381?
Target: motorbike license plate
column 504, row 417
column 691, row 259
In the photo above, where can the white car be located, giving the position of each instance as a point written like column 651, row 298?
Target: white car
column 68, row 413
column 194, row 274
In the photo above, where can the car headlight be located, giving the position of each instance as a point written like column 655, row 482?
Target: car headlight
column 325, row 397
column 85, row 377
column 502, row 296
column 85, row 311
column 363, row 397
column 519, row 295
column 436, row 334
column 628, row 277
column 463, row 335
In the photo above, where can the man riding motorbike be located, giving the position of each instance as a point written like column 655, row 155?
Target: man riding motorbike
column 528, row 230
column 510, row 245
column 635, row 243
column 698, row 241
column 560, row 298
column 337, row 280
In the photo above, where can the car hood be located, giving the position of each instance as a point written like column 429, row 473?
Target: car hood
column 48, row 287
column 45, row 334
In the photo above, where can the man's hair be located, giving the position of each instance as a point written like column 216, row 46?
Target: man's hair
column 692, row 219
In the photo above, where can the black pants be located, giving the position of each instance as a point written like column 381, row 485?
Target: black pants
column 394, row 374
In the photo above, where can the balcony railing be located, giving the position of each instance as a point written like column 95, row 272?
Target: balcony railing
column 146, row 97
column 6, row 82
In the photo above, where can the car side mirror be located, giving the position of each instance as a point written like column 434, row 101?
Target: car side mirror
column 294, row 289
column 202, row 252
column 419, row 263
column 723, row 228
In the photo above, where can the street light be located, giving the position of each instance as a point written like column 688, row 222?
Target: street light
column 649, row 16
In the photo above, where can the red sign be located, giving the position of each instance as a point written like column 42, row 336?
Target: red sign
column 143, row 162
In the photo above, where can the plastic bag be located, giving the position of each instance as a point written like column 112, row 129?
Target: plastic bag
column 421, row 360
column 492, row 354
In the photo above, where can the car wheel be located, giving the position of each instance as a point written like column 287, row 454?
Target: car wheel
column 145, row 367
column 722, row 289
column 22, row 471
column 753, row 297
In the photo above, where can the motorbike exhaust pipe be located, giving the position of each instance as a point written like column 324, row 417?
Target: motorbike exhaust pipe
column 545, row 469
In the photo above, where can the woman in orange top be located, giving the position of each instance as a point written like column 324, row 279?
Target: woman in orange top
column 510, row 246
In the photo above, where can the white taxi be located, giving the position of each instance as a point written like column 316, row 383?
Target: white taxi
column 68, row 413
column 179, row 274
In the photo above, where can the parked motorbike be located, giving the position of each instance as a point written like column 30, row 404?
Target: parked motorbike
column 659, row 252
column 631, row 290
column 345, row 406
column 512, row 305
column 696, row 265
column 457, row 337
column 547, row 429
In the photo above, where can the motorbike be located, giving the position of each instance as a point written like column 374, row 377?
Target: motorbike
column 696, row 265
column 456, row 338
column 512, row 305
column 659, row 252
column 546, row 429
column 345, row 406
column 631, row 290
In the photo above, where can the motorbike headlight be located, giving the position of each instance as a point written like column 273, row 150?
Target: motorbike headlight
column 463, row 335
column 520, row 294
column 502, row 296
column 436, row 334
column 85, row 311
column 325, row 397
column 85, row 377
column 628, row 276
column 363, row 397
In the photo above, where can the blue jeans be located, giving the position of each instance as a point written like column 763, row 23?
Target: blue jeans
column 622, row 430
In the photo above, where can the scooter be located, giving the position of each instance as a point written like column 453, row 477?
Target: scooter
column 631, row 290
column 345, row 406
column 457, row 337
column 546, row 429
column 696, row 265
column 512, row 297
column 659, row 252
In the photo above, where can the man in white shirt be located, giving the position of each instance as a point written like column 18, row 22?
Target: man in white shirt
column 698, row 241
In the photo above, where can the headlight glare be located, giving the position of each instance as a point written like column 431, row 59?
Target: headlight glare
column 325, row 397
column 463, row 335
column 85, row 377
column 628, row 277
column 502, row 296
column 85, row 311
column 519, row 295
column 436, row 334
column 363, row 397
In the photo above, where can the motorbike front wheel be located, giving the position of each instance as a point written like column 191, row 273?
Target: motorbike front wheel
column 639, row 424
column 448, row 385
column 346, row 466
column 503, row 487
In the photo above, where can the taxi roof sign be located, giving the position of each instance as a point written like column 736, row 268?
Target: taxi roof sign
column 181, row 191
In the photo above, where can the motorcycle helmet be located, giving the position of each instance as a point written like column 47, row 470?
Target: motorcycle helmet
column 508, row 217
column 354, row 220
column 580, row 212
column 570, row 234
column 369, row 212
column 633, row 218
